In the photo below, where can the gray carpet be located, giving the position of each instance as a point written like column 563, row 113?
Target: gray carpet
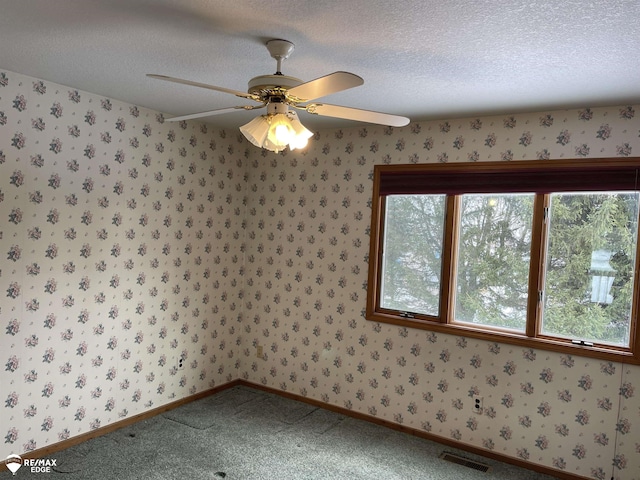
column 246, row 434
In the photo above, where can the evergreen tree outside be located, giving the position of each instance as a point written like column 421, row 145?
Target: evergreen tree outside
column 494, row 251
column 591, row 240
column 413, row 253
column 590, row 257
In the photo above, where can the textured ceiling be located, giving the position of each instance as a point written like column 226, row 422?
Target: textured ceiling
column 423, row 59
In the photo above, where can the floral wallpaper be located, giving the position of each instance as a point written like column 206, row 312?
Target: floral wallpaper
column 119, row 238
column 308, row 223
column 130, row 243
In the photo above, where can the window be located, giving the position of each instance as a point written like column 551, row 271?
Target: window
column 535, row 253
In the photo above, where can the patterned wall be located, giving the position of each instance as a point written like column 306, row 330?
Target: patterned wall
column 119, row 256
column 306, row 272
column 129, row 242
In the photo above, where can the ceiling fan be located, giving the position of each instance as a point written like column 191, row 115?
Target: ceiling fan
column 280, row 127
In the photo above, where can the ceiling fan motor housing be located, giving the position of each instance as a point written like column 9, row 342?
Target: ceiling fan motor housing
column 267, row 84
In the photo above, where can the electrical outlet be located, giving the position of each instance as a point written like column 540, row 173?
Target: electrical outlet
column 477, row 404
column 259, row 351
column 180, row 363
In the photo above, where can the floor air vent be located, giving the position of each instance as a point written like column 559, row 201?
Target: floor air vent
column 453, row 458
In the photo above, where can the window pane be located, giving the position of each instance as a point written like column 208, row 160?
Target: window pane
column 412, row 253
column 589, row 266
column 494, row 249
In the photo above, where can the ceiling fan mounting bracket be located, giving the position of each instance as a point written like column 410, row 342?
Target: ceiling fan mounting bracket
column 280, row 49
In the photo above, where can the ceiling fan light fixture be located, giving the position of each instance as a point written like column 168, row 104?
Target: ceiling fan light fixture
column 256, row 130
column 277, row 129
column 302, row 134
column 280, row 131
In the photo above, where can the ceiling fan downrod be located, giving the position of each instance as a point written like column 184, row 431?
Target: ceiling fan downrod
column 280, row 50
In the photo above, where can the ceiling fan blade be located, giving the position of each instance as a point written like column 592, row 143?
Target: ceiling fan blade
column 220, row 111
column 204, row 85
column 356, row 114
column 320, row 87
